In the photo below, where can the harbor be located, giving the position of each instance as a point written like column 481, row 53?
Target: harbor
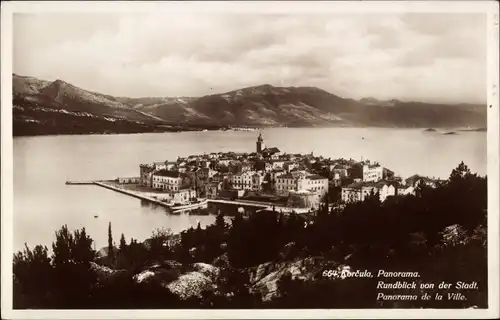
column 265, row 180
column 246, row 207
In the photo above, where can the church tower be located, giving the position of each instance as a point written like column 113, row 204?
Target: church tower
column 260, row 143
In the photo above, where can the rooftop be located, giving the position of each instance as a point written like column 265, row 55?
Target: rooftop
column 167, row 173
column 316, row 177
column 379, row 184
column 285, row 176
column 272, row 150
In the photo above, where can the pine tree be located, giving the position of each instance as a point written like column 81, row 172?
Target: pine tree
column 462, row 171
column 61, row 248
column 81, row 247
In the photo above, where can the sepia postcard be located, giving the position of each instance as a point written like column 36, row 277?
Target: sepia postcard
column 266, row 159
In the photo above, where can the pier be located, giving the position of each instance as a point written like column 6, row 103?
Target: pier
column 213, row 205
column 132, row 193
column 80, row 182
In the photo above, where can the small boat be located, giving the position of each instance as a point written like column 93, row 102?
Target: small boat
column 450, row 133
column 96, row 216
column 430, row 130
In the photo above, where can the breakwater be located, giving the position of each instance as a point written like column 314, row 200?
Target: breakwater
column 131, row 193
column 81, row 182
column 248, row 204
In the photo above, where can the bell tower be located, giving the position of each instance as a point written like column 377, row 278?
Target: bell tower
column 260, row 143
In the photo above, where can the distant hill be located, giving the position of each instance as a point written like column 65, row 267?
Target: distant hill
column 44, row 107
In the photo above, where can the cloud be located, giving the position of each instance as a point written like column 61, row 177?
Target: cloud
column 357, row 55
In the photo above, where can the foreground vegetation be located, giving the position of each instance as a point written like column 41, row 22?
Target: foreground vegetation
column 439, row 233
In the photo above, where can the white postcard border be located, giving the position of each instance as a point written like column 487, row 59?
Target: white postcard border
column 488, row 7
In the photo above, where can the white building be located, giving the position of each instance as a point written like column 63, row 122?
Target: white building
column 416, row 179
column 372, row 173
column 361, row 190
column 299, row 182
column 160, row 165
column 289, row 166
column 387, row 190
column 242, row 181
column 406, row 190
column 277, row 164
column 285, row 183
column 167, row 180
column 313, row 183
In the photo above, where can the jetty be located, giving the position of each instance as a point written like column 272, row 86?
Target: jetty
column 249, row 205
column 139, row 195
column 80, row 182
column 132, row 193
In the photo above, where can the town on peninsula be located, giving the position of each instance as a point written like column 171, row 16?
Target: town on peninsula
column 266, row 179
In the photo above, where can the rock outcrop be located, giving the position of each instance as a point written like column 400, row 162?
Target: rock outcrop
column 264, row 278
column 105, row 273
column 163, row 272
column 191, row 284
column 203, row 277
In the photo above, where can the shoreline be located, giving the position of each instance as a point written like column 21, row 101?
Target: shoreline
column 245, row 129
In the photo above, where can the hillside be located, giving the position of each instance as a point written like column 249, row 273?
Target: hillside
column 59, row 107
column 44, row 107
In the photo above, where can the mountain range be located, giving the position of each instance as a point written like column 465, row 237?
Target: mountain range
column 57, row 107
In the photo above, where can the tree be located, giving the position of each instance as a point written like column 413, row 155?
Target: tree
column 61, row 248
column 460, row 172
column 73, row 277
column 123, row 254
column 159, row 244
column 123, row 243
column 81, row 248
column 33, row 274
column 324, row 206
column 110, row 245
column 219, row 221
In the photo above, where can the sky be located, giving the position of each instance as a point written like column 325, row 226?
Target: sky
column 434, row 57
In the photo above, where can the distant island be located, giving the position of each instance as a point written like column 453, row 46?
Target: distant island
column 475, row 130
column 56, row 107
